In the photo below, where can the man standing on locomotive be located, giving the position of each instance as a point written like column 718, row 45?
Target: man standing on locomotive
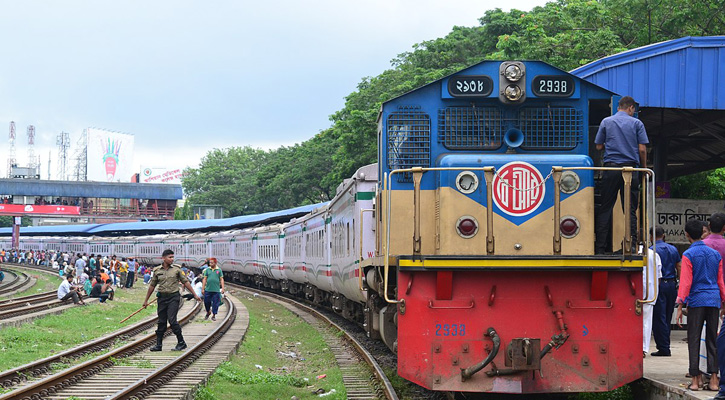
column 623, row 139
column 167, row 277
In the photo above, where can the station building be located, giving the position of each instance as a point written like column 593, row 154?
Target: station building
column 71, row 202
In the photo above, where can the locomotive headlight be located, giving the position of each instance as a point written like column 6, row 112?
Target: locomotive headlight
column 512, row 92
column 513, row 73
column 569, row 182
column 467, row 226
column 569, row 227
column 467, row 182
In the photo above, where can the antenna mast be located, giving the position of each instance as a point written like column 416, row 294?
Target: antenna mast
column 11, row 155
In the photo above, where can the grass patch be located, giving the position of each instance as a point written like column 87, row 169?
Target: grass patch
column 621, row 393
column 139, row 362
column 291, row 355
column 53, row 334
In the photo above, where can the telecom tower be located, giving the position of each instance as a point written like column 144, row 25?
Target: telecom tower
column 81, row 158
column 32, row 162
column 11, row 154
column 63, row 142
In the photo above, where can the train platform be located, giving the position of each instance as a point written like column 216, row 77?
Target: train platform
column 666, row 375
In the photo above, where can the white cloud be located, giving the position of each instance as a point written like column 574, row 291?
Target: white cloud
column 187, row 76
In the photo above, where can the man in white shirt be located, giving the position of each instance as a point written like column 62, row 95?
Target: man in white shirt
column 650, row 281
column 67, row 291
column 80, row 265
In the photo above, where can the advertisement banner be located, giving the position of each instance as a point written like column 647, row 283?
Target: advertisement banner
column 109, row 156
column 32, row 209
column 160, row 175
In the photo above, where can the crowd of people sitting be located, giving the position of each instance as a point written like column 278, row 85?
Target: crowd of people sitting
column 96, row 275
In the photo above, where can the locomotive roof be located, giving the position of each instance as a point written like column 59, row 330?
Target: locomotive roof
column 475, row 66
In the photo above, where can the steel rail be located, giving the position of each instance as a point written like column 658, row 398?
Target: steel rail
column 33, row 308
column 387, row 387
column 25, row 299
column 50, row 385
column 153, row 381
column 47, row 299
column 20, row 279
column 17, row 375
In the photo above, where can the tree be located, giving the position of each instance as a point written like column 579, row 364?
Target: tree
column 6, row 221
column 707, row 185
column 564, row 33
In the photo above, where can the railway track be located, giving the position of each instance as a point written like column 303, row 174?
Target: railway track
column 126, row 371
column 360, row 384
column 14, row 281
column 28, row 305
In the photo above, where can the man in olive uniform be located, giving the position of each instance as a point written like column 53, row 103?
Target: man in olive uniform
column 167, row 277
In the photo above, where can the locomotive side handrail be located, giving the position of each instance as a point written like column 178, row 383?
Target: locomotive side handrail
column 418, row 171
column 359, row 264
column 648, row 191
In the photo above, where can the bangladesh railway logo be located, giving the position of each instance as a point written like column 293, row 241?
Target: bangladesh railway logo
column 518, row 188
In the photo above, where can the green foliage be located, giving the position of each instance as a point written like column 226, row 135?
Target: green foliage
column 564, row 33
column 236, row 375
column 6, row 221
column 708, row 185
column 183, row 212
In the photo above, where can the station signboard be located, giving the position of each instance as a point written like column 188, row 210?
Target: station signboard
column 161, row 175
column 673, row 214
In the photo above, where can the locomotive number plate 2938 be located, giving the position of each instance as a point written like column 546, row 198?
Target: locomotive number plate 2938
column 553, row 86
column 450, row 329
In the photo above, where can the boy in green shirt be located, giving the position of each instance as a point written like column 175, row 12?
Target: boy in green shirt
column 211, row 288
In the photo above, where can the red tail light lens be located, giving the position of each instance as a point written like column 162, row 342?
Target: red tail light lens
column 569, row 227
column 467, row 226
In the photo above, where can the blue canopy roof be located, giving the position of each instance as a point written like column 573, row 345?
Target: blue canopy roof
column 151, row 227
column 684, row 73
column 105, row 190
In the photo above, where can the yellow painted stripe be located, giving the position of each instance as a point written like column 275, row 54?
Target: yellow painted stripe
column 520, row 263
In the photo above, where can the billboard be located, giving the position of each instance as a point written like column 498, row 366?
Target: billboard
column 32, row 209
column 109, row 156
column 160, row 175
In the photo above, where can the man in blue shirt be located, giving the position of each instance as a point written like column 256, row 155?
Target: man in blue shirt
column 667, row 293
column 623, row 139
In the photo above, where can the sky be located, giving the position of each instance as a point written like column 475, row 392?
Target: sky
column 185, row 77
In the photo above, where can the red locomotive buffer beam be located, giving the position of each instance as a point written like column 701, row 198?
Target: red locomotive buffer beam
column 551, row 340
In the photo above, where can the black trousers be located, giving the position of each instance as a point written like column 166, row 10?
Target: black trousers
column 662, row 315
column 168, row 308
column 696, row 317
column 130, row 278
column 608, row 187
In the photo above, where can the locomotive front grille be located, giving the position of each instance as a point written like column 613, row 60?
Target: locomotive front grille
column 463, row 128
column 551, row 128
column 408, row 141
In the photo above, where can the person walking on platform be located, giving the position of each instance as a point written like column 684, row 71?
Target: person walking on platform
column 667, row 294
column 623, row 139
column 716, row 242
column 212, row 287
column 167, row 277
column 701, row 283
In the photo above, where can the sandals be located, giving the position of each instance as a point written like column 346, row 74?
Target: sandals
column 689, row 387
